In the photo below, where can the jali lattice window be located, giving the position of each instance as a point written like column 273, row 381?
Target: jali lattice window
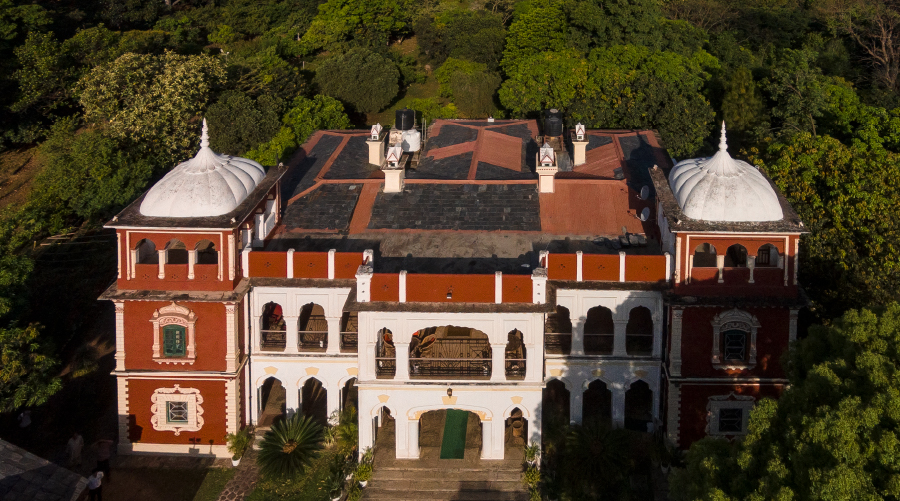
column 735, row 345
column 177, row 412
column 731, row 420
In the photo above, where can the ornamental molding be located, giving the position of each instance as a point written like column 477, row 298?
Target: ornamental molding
column 159, row 408
column 734, row 319
column 731, row 401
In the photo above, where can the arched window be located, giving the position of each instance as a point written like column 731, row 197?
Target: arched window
column 558, row 332
column 313, row 328
column 173, row 328
column 736, row 256
column 206, row 253
column 599, row 331
column 705, row 256
column 385, row 354
column 639, row 332
column 515, row 355
column 639, row 407
column 145, row 252
column 273, row 328
column 176, row 252
column 734, row 340
column 767, row 256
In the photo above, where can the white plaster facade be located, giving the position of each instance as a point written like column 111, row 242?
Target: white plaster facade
column 407, row 398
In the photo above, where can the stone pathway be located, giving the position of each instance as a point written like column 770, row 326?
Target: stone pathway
column 244, row 479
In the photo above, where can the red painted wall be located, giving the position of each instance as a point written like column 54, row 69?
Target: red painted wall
column 310, row 264
column 517, row 289
column 346, row 264
column 268, row 264
column 206, row 276
column 600, row 267
column 694, row 399
column 564, row 267
column 697, row 342
column 209, row 334
column 645, row 268
column 465, row 288
column 140, row 392
column 385, row 287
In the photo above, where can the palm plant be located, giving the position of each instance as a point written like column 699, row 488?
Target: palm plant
column 289, row 447
column 347, row 431
column 597, row 458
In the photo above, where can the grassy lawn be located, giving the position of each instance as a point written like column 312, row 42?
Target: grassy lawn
column 175, row 484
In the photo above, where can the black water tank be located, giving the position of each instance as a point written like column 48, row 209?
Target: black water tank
column 553, row 124
column 405, row 119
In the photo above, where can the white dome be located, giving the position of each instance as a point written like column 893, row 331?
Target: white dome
column 209, row 184
column 720, row 188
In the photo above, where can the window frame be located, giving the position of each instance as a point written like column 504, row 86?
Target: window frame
column 169, row 411
column 179, row 316
column 728, row 321
column 732, row 401
column 161, row 400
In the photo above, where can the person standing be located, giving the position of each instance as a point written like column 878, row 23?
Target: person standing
column 94, row 485
column 74, row 448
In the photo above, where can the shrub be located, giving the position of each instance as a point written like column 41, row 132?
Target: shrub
column 361, row 78
column 238, row 442
column 289, row 447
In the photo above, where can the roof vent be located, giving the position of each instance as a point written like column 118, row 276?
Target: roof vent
column 376, row 132
column 546, row 155
column 579, row 132
column 393, row 155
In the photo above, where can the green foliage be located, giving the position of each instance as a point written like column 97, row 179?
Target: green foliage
column 833, row 434
column 479, row 90
column 238, row 442
column 341, row 24
column 796, row 86
column 541, row 29
column 364, row 472
column 849, row 197
column 546, row 80
column 18, row 19
column 347, row 431
column 361, row 78
column 153, row 100
column 430, row 108
column 43, row 77
column 464, row 34
column 239, row 123
column 88, row 173
column 289, row 447
column 742, row 106
column 28, row 369
column 305, row 117
column 531, row 477
column 453, row 66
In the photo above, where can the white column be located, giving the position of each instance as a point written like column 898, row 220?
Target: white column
column 498, row 287
column 576, row 403
column 720, row 264
column 291, row 335
column 231, row 348
column 192, row 260
column 290, row 263
column 231, row 247
column 621, row 266
column 577, row 338
column 487, row 440
column 120, row 334
column 334, row 335
column 401, row 436
column 402, row 350
column 402, row 287
column 618, row 405
column 498, row 362
column 162, row 264
column 751, row 263
column 331, row 254
column 619, row 339
column 498, row 436
column 675, row 348
column 579, row 266
column 122, row 400
column 333, row 399
column 413, row 439
column 292, row 401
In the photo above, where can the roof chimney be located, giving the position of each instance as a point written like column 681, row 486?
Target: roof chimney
column 546, row 168
column 579, row 145
column 393, row 170
column 376, row 145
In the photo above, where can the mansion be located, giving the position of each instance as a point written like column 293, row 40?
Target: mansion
column 513, row 269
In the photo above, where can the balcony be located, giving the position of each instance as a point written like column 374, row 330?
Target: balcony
column 556, row 343
column 273, row 340
column 465, row 368
column 385, row 367
column 312, row 341
column 349, row 342
column 599, row 344
column 515, row 369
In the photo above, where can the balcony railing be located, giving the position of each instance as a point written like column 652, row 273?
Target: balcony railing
column 639, row 345
column 349, row 342
column 273, row 340
column 515, row 368
column 599, row 344
column 470, row 368
column 385, row 367
column 312, row 340
column 557, row 343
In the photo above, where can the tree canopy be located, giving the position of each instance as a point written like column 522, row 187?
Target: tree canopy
column 361, row 78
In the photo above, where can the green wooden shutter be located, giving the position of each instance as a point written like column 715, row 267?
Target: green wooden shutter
column 173, row 341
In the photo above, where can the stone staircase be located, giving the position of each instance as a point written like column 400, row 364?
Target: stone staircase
column 447, row 479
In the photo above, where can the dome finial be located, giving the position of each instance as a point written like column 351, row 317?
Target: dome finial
column 204, row 136
column 723, row 144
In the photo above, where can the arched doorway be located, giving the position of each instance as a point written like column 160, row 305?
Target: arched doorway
column 314, row 401
column 350, row 394
column 639, row 332
column 384, row 431
column 450, row 434
column 273, row 328
column 599, row 331
column 313, row 328
column 597, row 403
column 516, row 434
column 272, row 399
column 639, row 407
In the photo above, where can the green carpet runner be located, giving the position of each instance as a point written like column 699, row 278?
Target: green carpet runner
column 454, row 443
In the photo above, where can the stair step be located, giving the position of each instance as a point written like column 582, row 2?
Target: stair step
column 483, row 495
column 435, row 485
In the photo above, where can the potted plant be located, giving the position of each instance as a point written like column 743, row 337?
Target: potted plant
column 363, row 473
column 532, row 477
column 336, row 481
column 237, row 444
column 532, row 452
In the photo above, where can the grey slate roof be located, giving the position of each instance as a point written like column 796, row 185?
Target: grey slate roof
column 26, row 477
column 510, row 207
column 329, row 207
